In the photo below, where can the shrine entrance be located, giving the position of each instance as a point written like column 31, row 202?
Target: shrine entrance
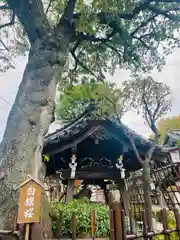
column 98, row 152
column 94, row 152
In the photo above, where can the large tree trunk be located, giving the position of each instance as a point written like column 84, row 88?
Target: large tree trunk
column 28, row 122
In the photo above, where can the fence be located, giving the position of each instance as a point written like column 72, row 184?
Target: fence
column 126, row 228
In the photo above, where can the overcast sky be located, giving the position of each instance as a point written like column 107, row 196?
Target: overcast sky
column 169, row 75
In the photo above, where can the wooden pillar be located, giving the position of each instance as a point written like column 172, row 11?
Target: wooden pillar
column 106, row 196
column 116, row 206
column 114, row 203
column 105, row 191
column 70, row 189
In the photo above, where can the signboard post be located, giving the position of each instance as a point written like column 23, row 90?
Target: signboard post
column 29, row 204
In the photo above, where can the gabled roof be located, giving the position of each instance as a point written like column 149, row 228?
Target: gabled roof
column 84, row 126
column 29, row 179
column 71, row 127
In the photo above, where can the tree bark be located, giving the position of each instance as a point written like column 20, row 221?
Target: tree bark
column 124, row 196
column 28, row 122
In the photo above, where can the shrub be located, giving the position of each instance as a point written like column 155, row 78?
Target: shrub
column 158, row 215
column 82, row 208
column 171, row 224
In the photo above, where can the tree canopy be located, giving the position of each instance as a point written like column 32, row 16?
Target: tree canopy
column 110, row 101
column 153, row 100
column 104, row 34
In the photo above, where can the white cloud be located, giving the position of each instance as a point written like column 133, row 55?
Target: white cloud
column 170, row 75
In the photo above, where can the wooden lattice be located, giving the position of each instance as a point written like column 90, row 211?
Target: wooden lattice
column 135, row 193
column 166, row 178
column 164, row 190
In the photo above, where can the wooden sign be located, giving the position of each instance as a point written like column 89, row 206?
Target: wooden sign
column 29, row 202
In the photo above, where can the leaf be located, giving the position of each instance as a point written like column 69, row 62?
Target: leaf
column 46, row 158
column 110, row 101
column 152, row 99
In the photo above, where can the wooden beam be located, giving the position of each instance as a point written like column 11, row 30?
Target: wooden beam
column 93, row 173
column 118, row 221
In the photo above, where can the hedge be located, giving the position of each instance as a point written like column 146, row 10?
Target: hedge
column 82, row 208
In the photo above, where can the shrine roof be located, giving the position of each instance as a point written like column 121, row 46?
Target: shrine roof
column 84, row 126
column 172, row 137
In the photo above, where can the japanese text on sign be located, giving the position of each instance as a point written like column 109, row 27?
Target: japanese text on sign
column 29, row 204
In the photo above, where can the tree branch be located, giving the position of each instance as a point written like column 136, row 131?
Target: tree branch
column 4, row 45
column 103, row 17
column 133, row 147
column 143, row 43
column 149, row 153
column 157, row 108
column 160, row 101
column 92, row 38
column 4, row 7
column 65, row 24
column 146, row 107
column 164, row 13
column 143, row 24
column 77, row 61
column 10, row 23
column 149, row 118
column 32, row 17
column 49, row 5
column 151, row 150
column 87, row 37
column 74, row 50
column 114, row 49
column 69, row 10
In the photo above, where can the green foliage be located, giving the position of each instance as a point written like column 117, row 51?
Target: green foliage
column 46, row 158
column 152, row 99
column 171, row 225
column 166, row 124
column 13, row 41
column 135, row 35
column 110, row 100
column 82, row 208
column 129, row 42
column 158, row 216
column 178, row 143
